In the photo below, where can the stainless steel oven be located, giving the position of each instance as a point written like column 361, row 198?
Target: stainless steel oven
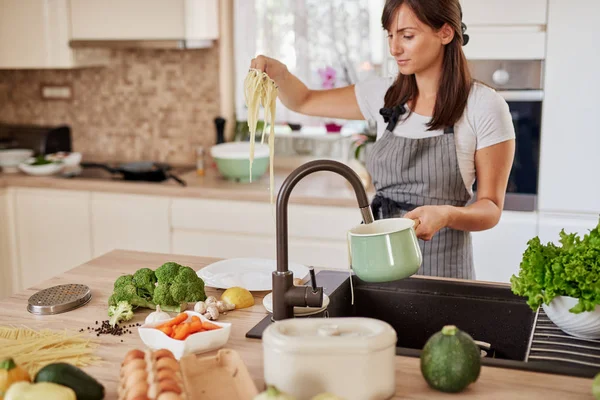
column 520, row 82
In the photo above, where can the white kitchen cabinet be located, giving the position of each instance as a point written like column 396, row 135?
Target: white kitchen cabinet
column 5, row 251
column 53, row 233
column 217, row 228
column 497, row 252
column 570, row 139
column 504, row 12
column 130, row 222
column 551, row 224
column 34, row 34
column 193, row 21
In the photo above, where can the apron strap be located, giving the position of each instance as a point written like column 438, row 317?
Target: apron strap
column 448, row 129
column 391, row 116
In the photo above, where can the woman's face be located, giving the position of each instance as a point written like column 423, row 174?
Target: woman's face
column 416, row 46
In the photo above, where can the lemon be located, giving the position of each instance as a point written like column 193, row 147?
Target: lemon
column 238, row 296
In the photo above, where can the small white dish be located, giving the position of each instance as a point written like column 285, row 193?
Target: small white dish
column 41, row 170
column 11, row 158
column 200, row 342
column 300, row 311
column 253, row 274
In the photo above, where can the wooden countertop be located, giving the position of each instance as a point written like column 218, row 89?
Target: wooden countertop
column 99, row 274
column 320, row 188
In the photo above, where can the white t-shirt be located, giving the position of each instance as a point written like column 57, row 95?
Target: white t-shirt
column 485, row 122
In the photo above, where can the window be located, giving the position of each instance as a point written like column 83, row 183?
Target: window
column 340, row 39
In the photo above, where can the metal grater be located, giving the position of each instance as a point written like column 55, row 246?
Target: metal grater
column 59, row 299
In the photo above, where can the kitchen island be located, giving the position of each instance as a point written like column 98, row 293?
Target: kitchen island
column 100, row 273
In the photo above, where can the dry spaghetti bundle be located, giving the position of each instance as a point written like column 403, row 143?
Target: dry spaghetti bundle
column 34, row 349
column 260, row 89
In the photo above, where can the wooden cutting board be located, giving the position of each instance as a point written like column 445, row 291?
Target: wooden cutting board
column 217, row 377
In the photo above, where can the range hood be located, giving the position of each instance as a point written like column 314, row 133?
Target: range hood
column 152, row 24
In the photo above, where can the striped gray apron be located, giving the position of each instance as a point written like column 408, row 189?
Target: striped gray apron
column 409, row 173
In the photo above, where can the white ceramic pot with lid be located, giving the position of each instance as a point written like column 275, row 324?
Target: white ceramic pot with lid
column 353, row 358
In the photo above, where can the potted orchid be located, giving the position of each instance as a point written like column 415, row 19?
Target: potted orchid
column 328, row 81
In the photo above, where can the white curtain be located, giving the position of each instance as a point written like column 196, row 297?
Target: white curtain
column 314, row 38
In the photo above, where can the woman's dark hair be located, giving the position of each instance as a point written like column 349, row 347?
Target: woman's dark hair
column 455, row 82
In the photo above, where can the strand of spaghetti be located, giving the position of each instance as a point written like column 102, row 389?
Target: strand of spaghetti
column 260, row 89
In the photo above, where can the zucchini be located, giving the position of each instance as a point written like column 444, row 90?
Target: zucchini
column 84, row 386
column 450, row 360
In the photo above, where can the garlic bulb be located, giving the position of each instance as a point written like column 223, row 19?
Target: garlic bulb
column 157, row 316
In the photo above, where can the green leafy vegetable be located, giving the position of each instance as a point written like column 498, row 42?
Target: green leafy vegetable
column 572, row 269
column 171, row 287
column 121, row 312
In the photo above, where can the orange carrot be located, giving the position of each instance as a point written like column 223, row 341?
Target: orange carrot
column 195, row 318
column 183, row 331
column 209, row 326
column 167, row 330
column 175, row 321
column 196, row 327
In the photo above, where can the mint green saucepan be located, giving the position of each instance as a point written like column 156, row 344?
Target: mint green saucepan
column 385, row 250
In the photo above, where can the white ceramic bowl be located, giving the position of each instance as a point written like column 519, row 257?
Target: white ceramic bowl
column 585, row 325
column 11, row 158
column 41, row 170
column 200, row 342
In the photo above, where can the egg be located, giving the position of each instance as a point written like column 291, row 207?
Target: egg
column 138, row 390
column 169, row 385
column 169, row 396
column 132, row 366
column 139, row 375
column 166, row 373
column 162, row 353
column 133, row 355
column 167, row 363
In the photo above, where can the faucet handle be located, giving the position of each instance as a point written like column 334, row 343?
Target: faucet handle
column 313, row 279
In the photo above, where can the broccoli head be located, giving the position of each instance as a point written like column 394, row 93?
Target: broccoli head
column 123, row 280
column 144, row 280
column 121, row 312
column 187, row 286
column 167, row 272
column 130, row 293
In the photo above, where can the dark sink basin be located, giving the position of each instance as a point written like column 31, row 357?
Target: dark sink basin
column 418, row 307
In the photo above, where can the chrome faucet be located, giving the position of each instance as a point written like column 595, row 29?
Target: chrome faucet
column 286, row 296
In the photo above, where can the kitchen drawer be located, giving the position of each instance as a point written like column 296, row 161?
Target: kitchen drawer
column 504, row 12
column 505, row 44
column 222, row 245
column 210, row 215
column 255, row 218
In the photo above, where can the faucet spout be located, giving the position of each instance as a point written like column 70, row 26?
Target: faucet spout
column 285, row 297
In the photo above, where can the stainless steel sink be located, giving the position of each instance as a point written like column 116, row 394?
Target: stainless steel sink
column 417, row 308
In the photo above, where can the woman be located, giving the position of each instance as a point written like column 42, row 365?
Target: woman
column 437, row 131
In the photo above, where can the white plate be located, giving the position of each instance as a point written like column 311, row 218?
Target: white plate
column 253, row 274
column 268, row 304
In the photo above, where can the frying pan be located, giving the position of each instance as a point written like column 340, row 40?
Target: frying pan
column 139, row 171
